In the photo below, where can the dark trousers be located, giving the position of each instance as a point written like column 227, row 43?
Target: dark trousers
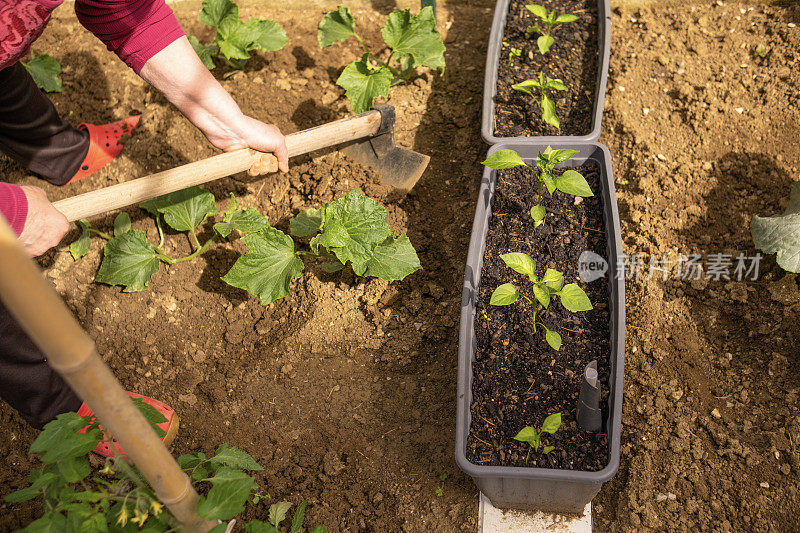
column 32, row 133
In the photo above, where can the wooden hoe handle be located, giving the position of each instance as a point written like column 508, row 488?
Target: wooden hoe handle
column 218, row 166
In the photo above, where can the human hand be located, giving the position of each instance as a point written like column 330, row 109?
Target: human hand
column 248, row 132
column 45, row 226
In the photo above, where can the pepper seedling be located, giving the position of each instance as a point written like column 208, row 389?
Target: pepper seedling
column 533, row 436
column 569, row 182
column 549, row 21
column 550, row 285
column 546, row 105
column 512, row 52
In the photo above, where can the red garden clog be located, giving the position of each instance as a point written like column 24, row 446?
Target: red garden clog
column 103, row 144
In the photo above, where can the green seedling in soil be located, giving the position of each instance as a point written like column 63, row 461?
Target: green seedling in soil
column 353, row 229
column 546, row 105
column 533, row 436
column 780, row 234
column 568, row 182
column 549, row 21
column 413, row 42
column 118, row 498
column 234, row 39
column 512, row 52
column 761, row 50
column 45, row 71
column 550, row 285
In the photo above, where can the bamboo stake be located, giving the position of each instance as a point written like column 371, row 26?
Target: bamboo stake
column 73, row 354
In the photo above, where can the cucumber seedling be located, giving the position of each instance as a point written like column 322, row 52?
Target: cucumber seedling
column 568, row 182
column 550, row 285
column 546, row 105
column 413, row 42
column 549, row 21
column 533, row 436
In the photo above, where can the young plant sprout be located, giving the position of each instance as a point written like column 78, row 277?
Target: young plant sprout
column 533, row 436
column 546, row 104
column 569, row 182
column 512, row 52
column 551, row 284
column 549, row 21
column 761, row 50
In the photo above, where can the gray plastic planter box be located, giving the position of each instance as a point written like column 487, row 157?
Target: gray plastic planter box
column 565, row 491
column 490, row 78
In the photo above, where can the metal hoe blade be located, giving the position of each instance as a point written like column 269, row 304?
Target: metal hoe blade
column 397, row 167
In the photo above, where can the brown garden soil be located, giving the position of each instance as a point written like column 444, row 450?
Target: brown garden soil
column 345, row 389
column 572, row 59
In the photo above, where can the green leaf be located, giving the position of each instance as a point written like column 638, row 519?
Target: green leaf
column 122, row 224
column 780, row 234
column 235, row 458
column 553, row 279
column 80, row 247
column 215, row 11
column 330, row 268
column 527, row 434
column 557, row 85
column 277, row 512
column 574, row 299
column 572, row 182
column 551, row 423
column 553, row 339
column 504, row 159
column 151, row 414
column 505, row 294
column 74, row 469
column 266, row 35
column 50, row 522
column 542, row 295
column 229, row 492
column 183, row 210
column 549, row 112
column 306, row 223
column 563, row 19
column 363, row 83
column 520, row 262
column 34, row 490
column 539, row 11
column 548, row 449
column 204, row 52
column 562, row 154
column 335, row 26
column 549, row 182
column 233, row 207
column 526, row 86
column 394, row 259
column 268, row 267
column 297, row 520
column 319, row 529
column 60, row 440
column 538, row 212
column 352, row 228
column 44, row 70
column 191, row 460
column 234, row 38
column 128, row 260
column 245, row 220
column 544, row 42
column 416, row 37
column 257, row 526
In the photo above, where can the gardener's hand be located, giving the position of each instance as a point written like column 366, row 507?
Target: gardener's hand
column 45, row 226
column 252, row 133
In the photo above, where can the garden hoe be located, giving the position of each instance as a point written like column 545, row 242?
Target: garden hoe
column 368, row 138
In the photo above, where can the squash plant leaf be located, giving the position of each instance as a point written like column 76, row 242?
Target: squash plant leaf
column 394, row 259
column 183, row 210
column 122, row 224
column 268, row 267
column 306, row 223
column 780, row 234
column 229, row 491
column 80, row 247
column 215, row 11
column 245, row 220
column 204, row 51
column 335, row 26
column 267, row 35
column 364, row 82
column 45, row 70
column 416, row 37
column 129, row 260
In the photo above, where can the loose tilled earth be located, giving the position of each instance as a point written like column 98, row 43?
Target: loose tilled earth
column 345, row 390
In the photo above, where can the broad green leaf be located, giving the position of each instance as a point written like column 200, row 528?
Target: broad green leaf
column 574, row 299
column 229, row 491
column 233, row 207
column 335, row 26
column 553, row 279
column 191, row 460
column 557, row 85
column 204, row 51
column 505, row 294
column 553, row 339
column 122, row 224
column 548, row 449
column 74, row 469
column 278, row 511
column 183, row 210
column 538, row 212
column 319, row 529
column 363, row 83
column 526, row 86
column 393, row 259
column 297, row 520
column 563, row 19
column 780, row 234
column 572, row 182
column 80, row 247
column 268, row 267
column 352, row 228
column 527, row 434
column 552, row 422
column 234, row 38
column 268, row 35
column 562, row 154
column 60, row 439
column 215, row 11
column 549, row 182
column 330, row 268
column 151, row 414
column 520, row 262
column 235, row 458
column 549, row 112
column 50, row 522
column 245, row 220
column 306, row 223
column 34, row 490
column 539, row 11
column 542, row 295
column 44, row 70
column 416, row 37
column 504, row 159
column 544, row 42
column 129, row 260
column 257, row 526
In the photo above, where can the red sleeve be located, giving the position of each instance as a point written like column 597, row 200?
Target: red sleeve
column 13, row 206
column 135, row 30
